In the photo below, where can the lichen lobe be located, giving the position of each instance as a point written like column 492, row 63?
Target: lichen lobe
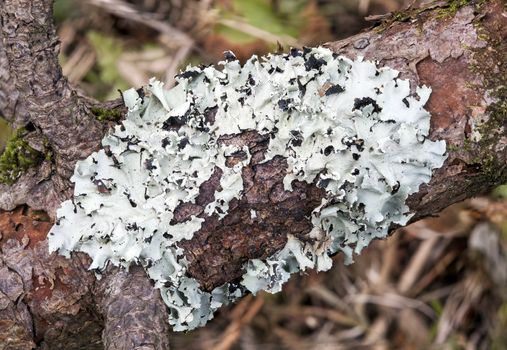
column 349, row 127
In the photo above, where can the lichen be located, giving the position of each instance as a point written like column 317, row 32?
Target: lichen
column 17, row 157
column 349, row 127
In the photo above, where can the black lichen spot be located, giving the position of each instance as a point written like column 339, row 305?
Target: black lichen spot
column 314, row 63
column 229, row 56
column 360, row 103
column 356, row 156
column 323, row 183
column 247, row 90
column 302, row 88
column 141, row 93
column 251, row 80
column 210, row 113
column 335, row 89
column 405, row 101
column 353, row 141
column 132, row 226
column 295, row 52
column 107, row 151
column 132, row 203
column 189, row 74
column 183, row 143
column 355, row 171
column 148, row 164
column 166, row 142
column 174, row 123
column 273, row 132
column 328, row 150
column 284, row 104
column 297, row 139
column 395, row 188
column 167, row 235
column 359, row 143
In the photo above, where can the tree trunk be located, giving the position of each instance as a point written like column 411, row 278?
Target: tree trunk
column 52, row 302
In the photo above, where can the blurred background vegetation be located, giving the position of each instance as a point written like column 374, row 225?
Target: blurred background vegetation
column 438, row 284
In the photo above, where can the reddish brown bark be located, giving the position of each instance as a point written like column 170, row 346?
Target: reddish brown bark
column 55, row 303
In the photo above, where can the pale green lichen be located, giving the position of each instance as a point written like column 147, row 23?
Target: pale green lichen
column 350, row 127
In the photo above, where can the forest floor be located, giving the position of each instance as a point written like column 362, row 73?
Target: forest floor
column 440, row 283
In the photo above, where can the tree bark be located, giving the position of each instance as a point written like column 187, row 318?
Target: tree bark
column 52, row 302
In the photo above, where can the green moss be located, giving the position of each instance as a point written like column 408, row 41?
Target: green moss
column 400, row 16
column 451, row 7
column 104, row 114
column 5, row 132
column 17, row 157
column 444, row 10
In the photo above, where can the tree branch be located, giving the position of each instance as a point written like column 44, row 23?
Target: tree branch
column 454, row 54
column 39, row 94
column 128, row 302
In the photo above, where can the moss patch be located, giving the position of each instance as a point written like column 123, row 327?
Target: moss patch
column 445, row 10
column 104, row 114
column 5, row 133
column 399, row 16
column 452, row 6
column 17, row 157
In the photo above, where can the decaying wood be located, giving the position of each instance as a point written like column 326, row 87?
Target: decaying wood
column 52, row 302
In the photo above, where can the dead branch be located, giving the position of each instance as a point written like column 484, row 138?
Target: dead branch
column 55, row 303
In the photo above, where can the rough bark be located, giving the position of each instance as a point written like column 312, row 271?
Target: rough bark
column 60, row 116
column 131, row 309
column 55, row 303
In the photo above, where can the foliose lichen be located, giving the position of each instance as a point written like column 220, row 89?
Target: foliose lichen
column 351, row 127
